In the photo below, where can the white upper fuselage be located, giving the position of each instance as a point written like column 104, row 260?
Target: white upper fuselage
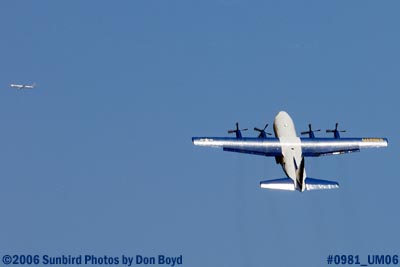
column 291, row 147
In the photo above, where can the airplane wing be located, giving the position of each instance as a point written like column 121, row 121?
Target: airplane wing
column 271, row 147
column 314, row 147
column 265, row 147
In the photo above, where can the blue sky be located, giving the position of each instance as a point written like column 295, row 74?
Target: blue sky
column 98, row 159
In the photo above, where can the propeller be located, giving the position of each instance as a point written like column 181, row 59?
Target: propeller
column 262, row 132
column 310, row 132
column 238, row 131
column 336, row 131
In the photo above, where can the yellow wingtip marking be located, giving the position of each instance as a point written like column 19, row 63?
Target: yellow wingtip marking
column 373, row 140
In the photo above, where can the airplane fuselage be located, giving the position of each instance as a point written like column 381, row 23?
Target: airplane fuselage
column 292, row 156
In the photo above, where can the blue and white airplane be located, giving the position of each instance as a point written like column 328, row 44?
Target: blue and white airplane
column 289, row 150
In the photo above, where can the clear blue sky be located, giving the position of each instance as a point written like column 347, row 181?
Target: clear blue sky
column 98, row 159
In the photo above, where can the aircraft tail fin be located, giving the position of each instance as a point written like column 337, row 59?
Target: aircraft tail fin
column 317, row 184
column 280, row 184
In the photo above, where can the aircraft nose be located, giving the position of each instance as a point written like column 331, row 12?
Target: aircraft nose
column 282, row 114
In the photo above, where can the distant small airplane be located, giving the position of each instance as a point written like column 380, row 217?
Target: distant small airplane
column 289, row 150
column 22, row 86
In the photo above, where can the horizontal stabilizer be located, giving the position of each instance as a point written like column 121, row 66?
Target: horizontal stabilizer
column 281, row 184
column 316, row 184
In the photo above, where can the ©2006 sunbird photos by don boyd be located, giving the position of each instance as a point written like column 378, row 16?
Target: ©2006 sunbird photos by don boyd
column 289, row 150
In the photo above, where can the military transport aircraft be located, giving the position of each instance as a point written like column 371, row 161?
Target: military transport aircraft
column 290, row 150
column 22, row 86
